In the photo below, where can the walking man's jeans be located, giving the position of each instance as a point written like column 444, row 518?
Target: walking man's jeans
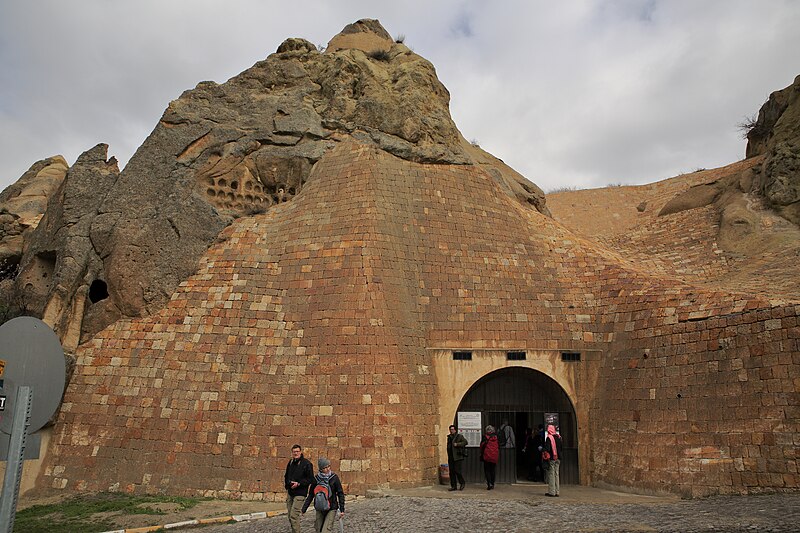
column 553, row 483
column 455, row 474
column 294, row 507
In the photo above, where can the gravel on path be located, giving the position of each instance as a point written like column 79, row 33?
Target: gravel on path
column 401, row 514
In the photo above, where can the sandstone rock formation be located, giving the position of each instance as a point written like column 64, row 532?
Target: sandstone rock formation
column 23, row 203
column 699, row 227
column 776, row 135
column 299, row 254
column 778, row 121
column 744, row 199
column 771, row 181
column 239, row 148
column 21, row 207
column 62, row 273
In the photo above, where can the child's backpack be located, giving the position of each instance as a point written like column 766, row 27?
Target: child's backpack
column 322, row 495
column 502, row 437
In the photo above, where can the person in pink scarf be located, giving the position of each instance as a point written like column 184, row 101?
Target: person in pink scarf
column 553, row 450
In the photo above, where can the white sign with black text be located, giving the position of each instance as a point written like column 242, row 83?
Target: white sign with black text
column 469, row 425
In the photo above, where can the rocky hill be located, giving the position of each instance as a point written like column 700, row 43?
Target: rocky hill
column 733, row 228
column 311, row 252
column 223, row 151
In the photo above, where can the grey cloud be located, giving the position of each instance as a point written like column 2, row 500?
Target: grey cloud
column 577, row 93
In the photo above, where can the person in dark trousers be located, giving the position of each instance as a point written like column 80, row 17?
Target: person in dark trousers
column 325, row 519
column 456, row 453
column 553, row 451
column 533, row 450
column 490, row 453
column 298, row 477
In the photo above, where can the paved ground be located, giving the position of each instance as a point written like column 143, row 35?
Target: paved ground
column 525, row 508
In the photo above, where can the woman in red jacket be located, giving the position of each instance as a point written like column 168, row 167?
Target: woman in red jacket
column 490, row 453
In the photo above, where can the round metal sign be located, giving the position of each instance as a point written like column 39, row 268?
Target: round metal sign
column 32, row 356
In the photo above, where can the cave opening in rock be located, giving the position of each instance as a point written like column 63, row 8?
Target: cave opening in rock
column 9, row 267
column 98, row 291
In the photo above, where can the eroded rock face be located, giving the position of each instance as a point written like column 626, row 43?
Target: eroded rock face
column 778, row 120
column 776, row 135
column 22, row 205
column 61, row 263
column 222, row 151
column 779, row 178
column 693, row 198
column 238, row 148
column 775, row 181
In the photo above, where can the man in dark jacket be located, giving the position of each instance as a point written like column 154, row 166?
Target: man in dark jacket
column 298, row 477
column 323, row 523
column 456, row 452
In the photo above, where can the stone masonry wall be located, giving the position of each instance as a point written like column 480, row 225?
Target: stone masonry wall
column 300, row 326
column 702, row 406
column 310, row 324
column 314, row 323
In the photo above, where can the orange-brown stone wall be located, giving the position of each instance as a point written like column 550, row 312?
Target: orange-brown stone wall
column 703, row 407
column 315, row 322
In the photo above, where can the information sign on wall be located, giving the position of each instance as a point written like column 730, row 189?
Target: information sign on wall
column 469, row 425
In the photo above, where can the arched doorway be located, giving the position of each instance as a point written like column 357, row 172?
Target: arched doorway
column 523, row 397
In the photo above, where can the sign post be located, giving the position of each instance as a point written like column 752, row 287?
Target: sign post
column 19, row 430
column 31, row 364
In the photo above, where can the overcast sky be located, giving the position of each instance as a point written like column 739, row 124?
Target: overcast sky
column 579, row 94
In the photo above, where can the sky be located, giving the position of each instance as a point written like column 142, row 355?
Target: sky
column 572, row 94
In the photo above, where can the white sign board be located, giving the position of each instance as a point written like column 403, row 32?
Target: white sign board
column 469, row 425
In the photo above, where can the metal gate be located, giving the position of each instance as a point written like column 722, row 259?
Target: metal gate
column 521, row 396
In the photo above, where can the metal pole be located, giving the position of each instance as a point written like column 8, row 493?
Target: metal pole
column 16, row 452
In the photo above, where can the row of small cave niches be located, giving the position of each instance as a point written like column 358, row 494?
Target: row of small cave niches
column 466, row 355
column 246, row 194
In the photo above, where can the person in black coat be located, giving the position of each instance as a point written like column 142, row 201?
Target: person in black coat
column 533, row 450
column 298, row 477
column 456, row 453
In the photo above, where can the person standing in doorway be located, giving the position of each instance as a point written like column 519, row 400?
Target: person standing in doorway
column 327, row 496
column 534, row 447
column 298, row 477
column 553, row 450
column 490, row 453
column 505, row 435
column 456, row 453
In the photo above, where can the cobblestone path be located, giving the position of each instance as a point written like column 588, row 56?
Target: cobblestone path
column 397, row 514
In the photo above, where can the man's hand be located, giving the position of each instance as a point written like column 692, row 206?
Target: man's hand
column 295, row 484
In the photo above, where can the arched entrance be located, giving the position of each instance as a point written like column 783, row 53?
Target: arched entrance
column 523, row 397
